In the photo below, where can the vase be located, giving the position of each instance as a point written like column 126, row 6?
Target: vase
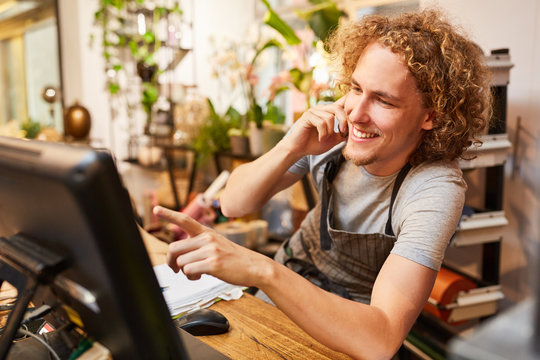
column 271, row 135
column 239, row 144
column 77, row 121
column 255, row 139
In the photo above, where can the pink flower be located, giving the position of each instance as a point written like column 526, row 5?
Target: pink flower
column 317, row 88
column 283, row 79
column 251, row 77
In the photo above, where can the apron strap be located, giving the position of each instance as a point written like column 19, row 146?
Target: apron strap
column 397, row 184
column 330, row 171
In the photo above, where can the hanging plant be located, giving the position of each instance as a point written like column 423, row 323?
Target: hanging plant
column 128, row 34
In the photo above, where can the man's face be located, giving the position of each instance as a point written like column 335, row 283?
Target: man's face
column 385, row 110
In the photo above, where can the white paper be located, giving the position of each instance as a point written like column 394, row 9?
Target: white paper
column 183, row 295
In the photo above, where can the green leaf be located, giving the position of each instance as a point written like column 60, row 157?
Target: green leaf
column 301, row 80
column 279, row 91
column 114, row 88
column 212, row 108
column 274, row 114
column 324, row 22
column 305, row 83
column 148, row 58
column 213, row 135
column 31, row 128
column 149, row 96
column 273, row 20
column 134, row 47
column 322, row 18
column 235, row 118
column 255, row 114
column 176, row 9
column 98, row 15
column 267, row 45
column 161, row 10
column 149, row 37
column 119, row 4
column 121, row 40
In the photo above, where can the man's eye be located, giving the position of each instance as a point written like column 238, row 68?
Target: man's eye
column 384, row 102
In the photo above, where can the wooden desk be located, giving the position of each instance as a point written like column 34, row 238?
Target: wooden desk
column 258, row 330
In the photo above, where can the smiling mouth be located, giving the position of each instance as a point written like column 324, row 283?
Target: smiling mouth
column 362, row 134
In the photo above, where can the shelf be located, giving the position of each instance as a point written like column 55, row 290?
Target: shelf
column 475, row 303
column 499, row 65
column 479, row 228
column 493, row 152
column 471, row 304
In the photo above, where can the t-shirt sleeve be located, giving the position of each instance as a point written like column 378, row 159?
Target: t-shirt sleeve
column 300, row 167
column 428, row 218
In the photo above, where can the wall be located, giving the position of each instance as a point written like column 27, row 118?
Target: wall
column 83, row 78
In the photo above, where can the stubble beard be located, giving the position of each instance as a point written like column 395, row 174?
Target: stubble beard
column 363, row 160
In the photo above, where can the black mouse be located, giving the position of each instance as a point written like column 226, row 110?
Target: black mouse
column 203, row 322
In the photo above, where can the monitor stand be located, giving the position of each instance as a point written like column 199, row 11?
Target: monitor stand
column 25, row 266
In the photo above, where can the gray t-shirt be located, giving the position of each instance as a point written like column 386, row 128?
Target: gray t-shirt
column 425, row 213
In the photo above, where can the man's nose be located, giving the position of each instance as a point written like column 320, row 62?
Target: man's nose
column 359, row 110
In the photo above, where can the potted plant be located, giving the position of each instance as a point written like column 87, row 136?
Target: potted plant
column 118, row 20
column 214, row 135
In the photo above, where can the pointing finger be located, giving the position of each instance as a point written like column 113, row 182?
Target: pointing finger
column 186, row 223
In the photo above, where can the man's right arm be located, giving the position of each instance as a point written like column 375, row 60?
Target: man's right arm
column 251, row 185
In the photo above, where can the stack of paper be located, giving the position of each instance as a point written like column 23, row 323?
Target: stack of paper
column 183, row 295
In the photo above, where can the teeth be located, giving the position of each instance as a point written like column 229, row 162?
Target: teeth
column 363, row 134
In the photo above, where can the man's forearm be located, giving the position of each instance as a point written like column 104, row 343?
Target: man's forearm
column 359, row 330
column 251, row 185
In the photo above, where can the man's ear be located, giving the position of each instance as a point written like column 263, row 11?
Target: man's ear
column 427, row 124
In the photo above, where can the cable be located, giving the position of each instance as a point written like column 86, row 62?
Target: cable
column 6, row 307
column 28, row 333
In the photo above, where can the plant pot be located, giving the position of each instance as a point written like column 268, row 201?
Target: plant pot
column 145, row 71
column 271, row 135
column 255, row 139
column 239, row 145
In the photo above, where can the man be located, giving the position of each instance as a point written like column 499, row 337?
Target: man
column 360, row 268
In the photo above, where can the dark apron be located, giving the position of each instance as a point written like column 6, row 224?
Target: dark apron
column 338, row 261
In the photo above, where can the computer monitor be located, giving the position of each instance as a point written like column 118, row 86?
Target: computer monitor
column 70, row 200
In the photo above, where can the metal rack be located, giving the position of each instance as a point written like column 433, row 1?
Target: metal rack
column 482, row 228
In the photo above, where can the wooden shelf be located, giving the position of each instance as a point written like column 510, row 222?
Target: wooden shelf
column 479, row 228
column 473, row 304
column 493, row 152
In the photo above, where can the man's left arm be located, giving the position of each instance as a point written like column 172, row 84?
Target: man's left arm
column 374, row 331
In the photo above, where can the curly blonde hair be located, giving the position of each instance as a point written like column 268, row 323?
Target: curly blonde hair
column 449, row 70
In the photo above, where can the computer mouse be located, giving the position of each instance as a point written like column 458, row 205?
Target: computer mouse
column 203, row 322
